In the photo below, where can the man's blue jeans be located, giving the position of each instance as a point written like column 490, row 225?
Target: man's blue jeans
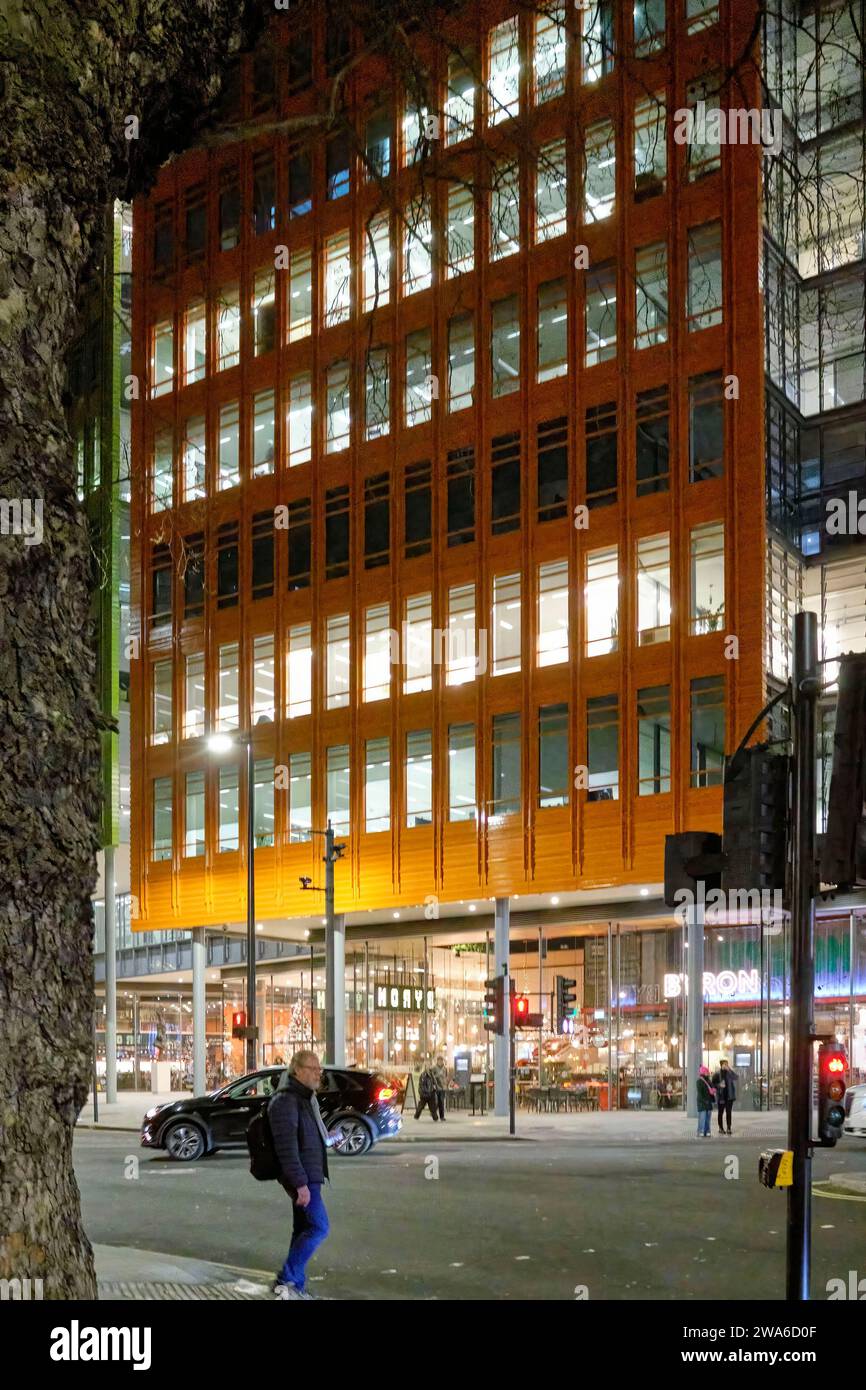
column 704, row 1117
column 309, row 1228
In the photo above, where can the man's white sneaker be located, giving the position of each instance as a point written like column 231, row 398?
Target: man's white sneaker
column 286, row 1291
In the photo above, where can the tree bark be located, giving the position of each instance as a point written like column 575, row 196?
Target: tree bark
column 69, row 76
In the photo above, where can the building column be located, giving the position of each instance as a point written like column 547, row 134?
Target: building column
column 501, row 1045
column 110, row 920
column 695, row 971
column 199, row 1014
column 335, row 990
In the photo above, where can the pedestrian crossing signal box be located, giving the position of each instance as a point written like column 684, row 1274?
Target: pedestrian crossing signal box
column 776, row 1168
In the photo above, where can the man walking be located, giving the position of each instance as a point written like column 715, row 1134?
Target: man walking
column 725, row 1081
column 301, row 1142
column 427, row 1091
column 440, row 1071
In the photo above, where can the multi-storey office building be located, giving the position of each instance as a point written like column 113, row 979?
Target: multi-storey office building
column 451, row 465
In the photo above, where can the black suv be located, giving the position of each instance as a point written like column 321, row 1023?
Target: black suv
column 356, row 1107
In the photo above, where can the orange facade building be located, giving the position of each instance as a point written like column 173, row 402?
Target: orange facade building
column 449, row 466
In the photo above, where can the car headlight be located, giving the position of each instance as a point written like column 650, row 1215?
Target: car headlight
column 154, row 1110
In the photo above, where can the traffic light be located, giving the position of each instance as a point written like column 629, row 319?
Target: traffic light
column 755, row 821
column 239, row 1024
column 520, row 1015
column 681, row 874
column 565, row 1000
column 494, row 1005
column 843, row 846
column 832, row 1066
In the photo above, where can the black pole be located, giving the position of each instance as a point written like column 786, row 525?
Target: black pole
column 251, row 909
column 511, row 1054
column 799, row 1224
column 95, row 1073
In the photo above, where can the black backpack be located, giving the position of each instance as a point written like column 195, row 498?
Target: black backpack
column 264, row 1164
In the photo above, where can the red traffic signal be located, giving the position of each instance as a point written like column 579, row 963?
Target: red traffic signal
column 832, row 1066
column 239, row 1023
column 520, row 1014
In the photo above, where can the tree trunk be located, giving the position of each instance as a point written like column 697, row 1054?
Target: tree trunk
column 67, row 83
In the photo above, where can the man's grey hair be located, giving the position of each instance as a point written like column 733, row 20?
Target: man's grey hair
column 300, row 1058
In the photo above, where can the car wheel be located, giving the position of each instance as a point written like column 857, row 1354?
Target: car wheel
column 352, row 1138
column 184, row 1142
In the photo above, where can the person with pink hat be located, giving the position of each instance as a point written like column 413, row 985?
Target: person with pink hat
column 706, row 1102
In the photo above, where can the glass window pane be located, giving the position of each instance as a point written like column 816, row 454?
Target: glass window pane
column 460, row 229
column 461, row 661
column 264, row 314
column 460, row 100
column 506, row 766
column 263, row 802
column 299, row 672
column 300, row 798
column 553, row 761
column 418, row 401
column 263, row 433
column 195, row 343
column 707, row 731
column 505, row 346
column 194, row 459
column 601, row 601
column 505, row 211
column 419, row 778
column 461, row 772
column 377, row 263
column 161, row 709
column 228, row 695
column 600, row 314
column 377, row 785
column 552, row 330
column 550, row 53
column 599, row 181
column 228, row 454
column 263, row 710
column 653, row 589
column 551, row 191
column 377, row 394
column 193, row 704
column 338, row 661
column 337, row 388
column 417, row 247
column 503, row 78
column 651, row 295
column 193, row 844
column 506, row 624
column 377, row 652
column 228, row 328
column 162, row 818
column 705, row 276
column 300, row 295
column 461, row 362
column 602, row 748
column 338, row 279
column 338, row 788
column 707, row 553
column 162, row 359
column 418, row 643
column 552, row 640
column 650, row 146
column 300, row 421
column 229, row 810
column 654, row 740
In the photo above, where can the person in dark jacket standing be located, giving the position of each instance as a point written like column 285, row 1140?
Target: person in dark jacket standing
column 440, row 1071
column 706, row 1097
column 301, row 1142
column 427, row 1092
column 725, row 1081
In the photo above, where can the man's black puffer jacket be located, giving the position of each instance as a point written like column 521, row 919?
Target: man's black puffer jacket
column 297, row 1140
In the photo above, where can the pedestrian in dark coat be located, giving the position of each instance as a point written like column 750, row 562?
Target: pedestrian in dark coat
column 427, row 1092
column 301, row 1142
column 725, row 1081
column 706, row 1100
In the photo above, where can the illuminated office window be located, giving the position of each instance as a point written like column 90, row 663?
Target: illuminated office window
column 378, row 144
column 459, row 101
column 461, row 773
column 707, row 765
column 300, row 419
column 263, row 707
column 600, row 314
column 654, row 740
column 377, row 394
column 418, row 643
column 549, row 66
column 649, row 26
column 601, row 601
column 300, row 295
column 228, row 452
column 338, row 665
column 705, row 276
column 552, row 330
column 417, row 130
column 193, row 843
column 505, row 766
column 263, row 433
column 461, row 362
column 338, row 788
column 194, row 343
column 162, row 358
column 602, row 748
column 161, row 707
column 162, row 489
column 460, row 658
column 651, row 295
column 193, row 705
column 653, row 589
column 377, row 785
column 299, row 671
column 506, row 624
column 552, row 636
column 377, row 262
column 503, row 76
column 419, row 778
column 703, row 150
column 554, row 772
column 194, row 459
column 599, row 177
column 263, row 802
column 300, row 798
column 338, row 279
column 417, row 247
column 551, row 191
column 228, row 693
column 264, row 314
column 505, row 346
column 377, row 653
column 460, row 229
column 505, row 211
column 228, row 328
column 650, row 146
column 707, row 578
column 418, row 400
column 162, row 819
column 338, row 402
column 229, row 810
column 596, row 49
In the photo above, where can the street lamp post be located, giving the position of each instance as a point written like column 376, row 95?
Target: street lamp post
column 224, row 743
column 335, row 956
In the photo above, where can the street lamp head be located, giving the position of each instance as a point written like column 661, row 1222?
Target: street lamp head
column 304, row 882
column 220, row 743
